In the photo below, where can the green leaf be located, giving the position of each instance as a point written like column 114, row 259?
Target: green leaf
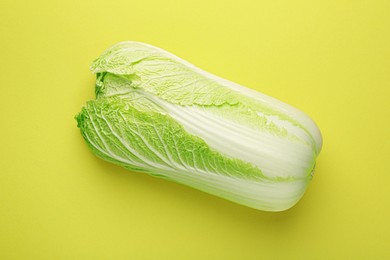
column 125, row 131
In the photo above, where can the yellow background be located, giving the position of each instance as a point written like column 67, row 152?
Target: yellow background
column 331, row 59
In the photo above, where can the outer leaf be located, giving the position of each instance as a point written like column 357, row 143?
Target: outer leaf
column 125, row 130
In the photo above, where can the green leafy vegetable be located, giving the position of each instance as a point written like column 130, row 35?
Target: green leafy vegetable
column 158, row 114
